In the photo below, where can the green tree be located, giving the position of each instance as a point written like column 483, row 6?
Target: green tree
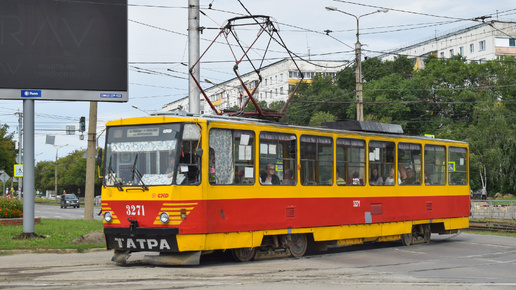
column 320, row 117
column 7, row 153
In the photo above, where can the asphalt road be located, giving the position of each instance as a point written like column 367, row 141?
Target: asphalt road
column 56, row 212
column 465, row 261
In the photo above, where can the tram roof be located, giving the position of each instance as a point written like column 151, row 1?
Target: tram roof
column 351, row 127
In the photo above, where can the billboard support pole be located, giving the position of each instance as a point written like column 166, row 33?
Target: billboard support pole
column 28, row 168
column 90, row 163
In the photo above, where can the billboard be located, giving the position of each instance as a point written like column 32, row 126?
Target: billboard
column 63, row 50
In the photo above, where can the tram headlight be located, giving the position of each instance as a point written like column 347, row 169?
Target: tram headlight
column 164, row 218
column 108, row 217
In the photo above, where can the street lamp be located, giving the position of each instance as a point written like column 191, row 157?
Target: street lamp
column 55, row 174
column 358, row 56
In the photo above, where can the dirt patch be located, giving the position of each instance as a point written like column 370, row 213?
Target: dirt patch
column 90, row 238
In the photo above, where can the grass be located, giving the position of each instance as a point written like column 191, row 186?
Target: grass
column 46, row 201
column 59, row 235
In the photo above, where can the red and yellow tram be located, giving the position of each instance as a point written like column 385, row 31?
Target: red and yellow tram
column 186, row 185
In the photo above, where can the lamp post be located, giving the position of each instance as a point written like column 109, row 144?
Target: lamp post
column 358, row 59
column 55, row 174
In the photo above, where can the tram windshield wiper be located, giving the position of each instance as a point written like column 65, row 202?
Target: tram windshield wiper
column 138, row 175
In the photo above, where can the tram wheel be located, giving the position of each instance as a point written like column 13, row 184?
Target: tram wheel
column 406, row 239
column 243, row 254
column 298, row 245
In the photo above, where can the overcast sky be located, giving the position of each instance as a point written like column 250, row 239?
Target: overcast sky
column 158, row 48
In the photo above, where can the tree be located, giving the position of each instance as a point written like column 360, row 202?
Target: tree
column 320, row 117
column 7, row 153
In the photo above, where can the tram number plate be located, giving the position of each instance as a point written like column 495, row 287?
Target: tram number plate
column 136, row 210
column 356, row 203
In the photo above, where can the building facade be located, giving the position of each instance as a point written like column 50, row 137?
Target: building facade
column 480, row 42
column 278, row 79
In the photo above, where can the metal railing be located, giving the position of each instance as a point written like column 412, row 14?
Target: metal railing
column 495, row 209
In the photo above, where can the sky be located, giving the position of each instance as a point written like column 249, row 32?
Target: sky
column 158, row 49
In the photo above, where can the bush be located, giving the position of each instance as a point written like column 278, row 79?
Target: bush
column 10, row 207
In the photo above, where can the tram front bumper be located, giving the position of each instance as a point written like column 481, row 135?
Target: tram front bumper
column 141, row 239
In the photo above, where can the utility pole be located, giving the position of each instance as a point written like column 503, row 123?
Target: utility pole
column 193, row 55
column 90, row 163
column 358, row 60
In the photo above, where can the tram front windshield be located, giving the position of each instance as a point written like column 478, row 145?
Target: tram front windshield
column 142, row 155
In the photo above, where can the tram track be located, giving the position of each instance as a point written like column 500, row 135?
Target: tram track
column 497, row 227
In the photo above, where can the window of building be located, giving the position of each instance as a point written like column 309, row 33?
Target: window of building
column 461, row 50
column 381, row 158
column 457, row 166
column 278, row 151
column 442, row 54
column 435, row 165
column 276, row 91
column 231, row 156
column 451, row 52
column 316, row 160
column 281, row 91
column 265, row 81
column 482, row 45
column 351, row 160
column 472, row 48
column 281, row 77
column 275, row 79
column 409, row 163
column 512, row 42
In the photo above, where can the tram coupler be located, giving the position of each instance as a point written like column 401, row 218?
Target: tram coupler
column 174, row 259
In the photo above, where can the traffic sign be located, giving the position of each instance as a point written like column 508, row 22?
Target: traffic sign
column 4, row 177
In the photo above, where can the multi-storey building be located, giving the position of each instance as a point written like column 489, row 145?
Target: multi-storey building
column 278, row 79
column 480, row 42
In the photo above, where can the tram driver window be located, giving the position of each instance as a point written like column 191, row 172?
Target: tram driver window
column 277, row 158
column 231, row 156
column 409, row 163
column 351, row 157
column 457, row 166
column 381, row 159
column 189, row 167
column 316, row 160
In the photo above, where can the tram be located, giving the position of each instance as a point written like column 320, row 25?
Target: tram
column 185, row 185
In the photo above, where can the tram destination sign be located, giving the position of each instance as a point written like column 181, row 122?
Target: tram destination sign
column 63, row 50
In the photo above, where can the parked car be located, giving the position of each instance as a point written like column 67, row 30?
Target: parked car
column 69, row 199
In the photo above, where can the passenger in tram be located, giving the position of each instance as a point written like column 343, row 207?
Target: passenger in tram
column 427, row 180
column 402, row 175
column 355, row 180
column 289, row 180
column 376, row 179
column 411, row 179
column 390, row 179
column 269, row 177
column 340, row 180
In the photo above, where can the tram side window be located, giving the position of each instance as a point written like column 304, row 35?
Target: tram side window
column 382, row 159
column 435, row 165
column 316, row 160
column 457, row 166
column 409, row 163
column 277, row 151
column 351, row 157
column 231, row 156
column 189, row 168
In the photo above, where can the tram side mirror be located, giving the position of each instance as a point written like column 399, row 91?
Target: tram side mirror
column 199, row 152
column 99, row 157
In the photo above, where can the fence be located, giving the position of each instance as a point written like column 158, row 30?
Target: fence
column 495, row 209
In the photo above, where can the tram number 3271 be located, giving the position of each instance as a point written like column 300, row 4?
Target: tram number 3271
column 135, row 210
